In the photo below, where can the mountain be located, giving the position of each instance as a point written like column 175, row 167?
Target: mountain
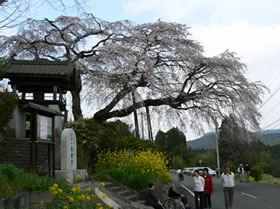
column 208, row 141
column 270, row 137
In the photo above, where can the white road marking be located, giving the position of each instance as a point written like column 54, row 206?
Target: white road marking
column 248, row 195
column 187, row 189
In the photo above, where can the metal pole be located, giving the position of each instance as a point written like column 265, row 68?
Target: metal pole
column 217, row 149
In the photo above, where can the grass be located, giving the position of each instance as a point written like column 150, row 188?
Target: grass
column 268, row 179
column 14, row 180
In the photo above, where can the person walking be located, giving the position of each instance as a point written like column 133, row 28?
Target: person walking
column 198, row 190
column 179, row 173
column 247, row 172
column 240, row 170
column 208, row 188
column 228, row 186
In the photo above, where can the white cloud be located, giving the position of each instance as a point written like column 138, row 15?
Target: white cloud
column 206, row 11
column 172, row 10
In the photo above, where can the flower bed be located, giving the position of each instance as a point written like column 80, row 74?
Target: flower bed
column 133, row 168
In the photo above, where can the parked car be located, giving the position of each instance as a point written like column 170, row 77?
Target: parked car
column 210, row 171
column 189, row 171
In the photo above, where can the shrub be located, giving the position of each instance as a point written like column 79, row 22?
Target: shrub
column 13, row 180
column 256, row 172
column 134, row 168
column 93, row 137
column 72, row 198
column 8, row 103
column 178, row 162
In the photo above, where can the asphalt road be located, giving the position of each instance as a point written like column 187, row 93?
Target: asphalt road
column 247, row 195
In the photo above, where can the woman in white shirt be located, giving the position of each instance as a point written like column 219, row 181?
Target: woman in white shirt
column 198, row 189
column 228, row 186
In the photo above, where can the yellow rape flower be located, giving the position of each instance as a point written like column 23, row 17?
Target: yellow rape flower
column 102, row 184
column 108, row 206
column 74, row 189
column 104, row 195
column 51, row 189
column 59, row 190
column 83, row 197
column 88, row 190
column 65, row 207
column 78, row 177
column 55, row 185
column 88, row 198
column 68, row 181
column 98, row 204
column 42, row 202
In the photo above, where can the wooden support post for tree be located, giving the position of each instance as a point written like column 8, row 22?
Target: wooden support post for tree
column 137, row 134
column 142, row 124
column 217, row 149
column 149, row 124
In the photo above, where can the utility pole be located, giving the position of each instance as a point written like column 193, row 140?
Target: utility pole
column 217, row 148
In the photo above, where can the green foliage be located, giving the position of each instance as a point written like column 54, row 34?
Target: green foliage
column 256, row 172
column 14, row 180
column 208, row 159
column 8, row 103
column 71, row 198
column 94, row 137
column 134, row 169
column 177, row 162
column 161, row 140
column 233, row 141
column 172, row 138
column 173, row 142
column 232, row 166
column 126, row 176
column 274, row 168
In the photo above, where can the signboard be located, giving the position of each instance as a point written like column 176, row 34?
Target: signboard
column 44, row 127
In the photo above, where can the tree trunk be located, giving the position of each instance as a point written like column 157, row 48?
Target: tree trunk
column 76, row 99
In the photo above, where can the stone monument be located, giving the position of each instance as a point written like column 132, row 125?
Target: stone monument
column 68, row 157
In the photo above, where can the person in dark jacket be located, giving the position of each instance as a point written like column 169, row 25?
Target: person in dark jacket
column 247, row 172
column 173, row 194
column 152, row 198
column 208, row 188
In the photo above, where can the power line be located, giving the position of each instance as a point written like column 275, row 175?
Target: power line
column 269, row 67
column 275, row 126
column 271, row 124
column 272, row 95
column 272, row 110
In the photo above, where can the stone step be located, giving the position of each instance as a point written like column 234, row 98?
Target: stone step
column 140, row 202
column 133, row 197
column 126, row 193
column 117, row 188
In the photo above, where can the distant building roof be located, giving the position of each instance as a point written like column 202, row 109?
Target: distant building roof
column 40, row 67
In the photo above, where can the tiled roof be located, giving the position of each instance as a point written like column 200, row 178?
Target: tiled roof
column 40, row 67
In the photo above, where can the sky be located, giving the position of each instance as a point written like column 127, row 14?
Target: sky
column 251, row 28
